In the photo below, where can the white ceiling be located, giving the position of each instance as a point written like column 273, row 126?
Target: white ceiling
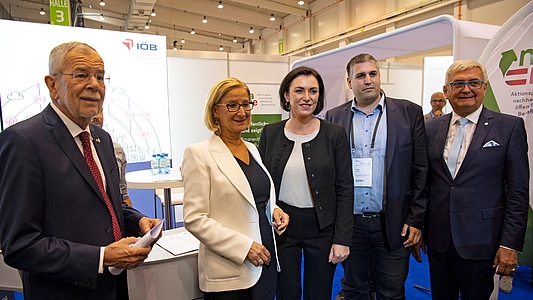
column 176, row 18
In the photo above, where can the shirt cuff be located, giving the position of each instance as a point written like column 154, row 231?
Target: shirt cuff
column 101, row 263
column 508, row 248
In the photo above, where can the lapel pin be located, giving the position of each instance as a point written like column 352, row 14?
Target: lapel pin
column 486, row 123
column 98, row 140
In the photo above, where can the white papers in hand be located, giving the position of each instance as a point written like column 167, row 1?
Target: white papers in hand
column 145, row 241
column 179, row 243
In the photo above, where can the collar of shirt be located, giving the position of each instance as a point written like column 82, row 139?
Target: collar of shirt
column 379, row 106
column 473, row 117
column 72, row 127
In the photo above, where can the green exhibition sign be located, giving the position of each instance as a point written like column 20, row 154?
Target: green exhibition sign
column 60, row 12
column 253, row 133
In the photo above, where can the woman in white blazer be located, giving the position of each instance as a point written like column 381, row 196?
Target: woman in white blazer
column 229, row 202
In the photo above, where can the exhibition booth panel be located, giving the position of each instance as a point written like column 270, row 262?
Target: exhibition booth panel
column 468, row 39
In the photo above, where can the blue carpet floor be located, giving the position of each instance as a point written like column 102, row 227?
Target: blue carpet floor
column 419, row 275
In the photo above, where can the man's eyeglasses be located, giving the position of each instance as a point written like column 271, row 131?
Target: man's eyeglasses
column 83, row 77
column 233, row 107
column 472, row 84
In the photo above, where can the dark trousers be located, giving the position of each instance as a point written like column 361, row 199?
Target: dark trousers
column 303, row 236
column 368, row 254
column 450, row 274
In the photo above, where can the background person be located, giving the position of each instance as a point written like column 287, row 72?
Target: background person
column 121, row 160
column 229, row 202
column 309, row 161
column 388, row 146
column 62, row 220
column 438, row 101
column 478, row 189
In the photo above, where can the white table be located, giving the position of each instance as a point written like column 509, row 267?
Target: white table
column 161, row 276
column 145, row 180
column 165, row 276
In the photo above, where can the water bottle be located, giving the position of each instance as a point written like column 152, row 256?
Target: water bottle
column 154, row 164
column 164, row 164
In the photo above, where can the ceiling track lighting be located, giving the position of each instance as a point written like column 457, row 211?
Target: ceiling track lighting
column 153, row 14
column 102, row 3
column 204, row 20
column 251, row 30
column 272, row 18
column 42, row 12
column 220, row 4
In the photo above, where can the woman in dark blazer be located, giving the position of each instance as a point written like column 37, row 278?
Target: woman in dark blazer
column 310, row 164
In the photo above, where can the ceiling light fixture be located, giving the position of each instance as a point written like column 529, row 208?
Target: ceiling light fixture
column 153, row 14
column 102, row 3
column 221, row 48
column 220, row 4
column 102, row 17
column 42, row 12
column 183, row 41
column 272, row 18
column 301, row 3
column 193, row 32
column 204, row 20
column 234, row 39
column 146, row 26
column 251, row 30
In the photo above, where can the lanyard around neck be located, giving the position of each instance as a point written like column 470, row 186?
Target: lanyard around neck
column 373, row 134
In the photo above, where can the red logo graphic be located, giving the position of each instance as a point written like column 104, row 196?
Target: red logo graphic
column 128, row 43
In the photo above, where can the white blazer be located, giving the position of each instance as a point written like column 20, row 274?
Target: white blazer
column 219, row 210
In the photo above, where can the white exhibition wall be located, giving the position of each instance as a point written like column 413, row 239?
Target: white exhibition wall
column 191, row 75
column 135, row 107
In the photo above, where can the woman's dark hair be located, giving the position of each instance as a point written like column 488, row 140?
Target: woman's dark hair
column 286, row 83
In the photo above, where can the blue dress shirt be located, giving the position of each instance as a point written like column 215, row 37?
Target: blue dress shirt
column 370, row 199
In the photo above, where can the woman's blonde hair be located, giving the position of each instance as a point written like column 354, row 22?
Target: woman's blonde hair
column 215, row 94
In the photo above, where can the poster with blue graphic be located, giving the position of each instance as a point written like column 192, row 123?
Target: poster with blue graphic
column 136, row 113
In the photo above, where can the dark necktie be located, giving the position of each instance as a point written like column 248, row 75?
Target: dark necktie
column 87, row 152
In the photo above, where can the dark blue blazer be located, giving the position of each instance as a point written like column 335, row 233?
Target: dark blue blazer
column 406, row 165
column 486, row 205
column 53, row 218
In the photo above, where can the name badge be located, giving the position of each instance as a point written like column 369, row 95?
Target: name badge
column 362, row 172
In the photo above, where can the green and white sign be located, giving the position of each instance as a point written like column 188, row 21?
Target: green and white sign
column 60, row 12
column 508, row 58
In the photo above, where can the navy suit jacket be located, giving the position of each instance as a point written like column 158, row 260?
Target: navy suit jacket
column 53, row 218
column 486, row 205
column 406, row 166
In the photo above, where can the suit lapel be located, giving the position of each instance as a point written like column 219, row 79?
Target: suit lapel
column 230, row 168
column 482, row 129
column 440, row 140
column 63, row 137
column 392, row 131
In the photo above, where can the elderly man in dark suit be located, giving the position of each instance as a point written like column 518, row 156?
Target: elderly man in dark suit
column 62, row 220
column 478, row 190
column 389, row 158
